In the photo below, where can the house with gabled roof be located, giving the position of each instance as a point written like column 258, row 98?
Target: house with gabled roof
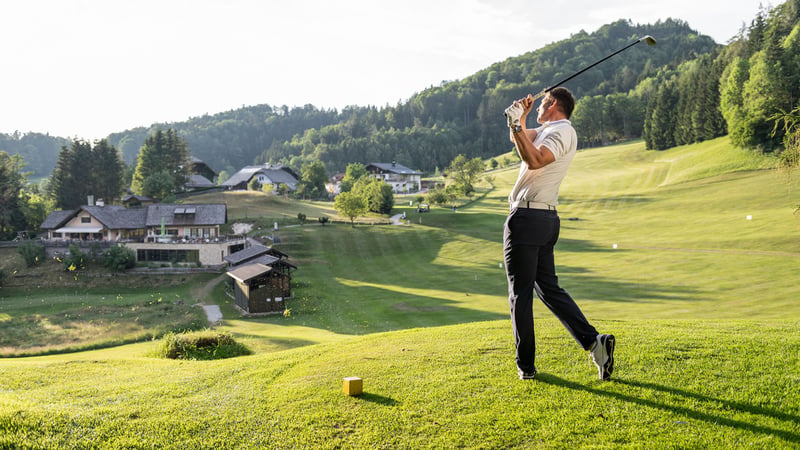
column 182, row 233
column 401, row 178
column 264, row 174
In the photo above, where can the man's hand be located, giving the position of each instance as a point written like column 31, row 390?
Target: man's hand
column 513, row 114
column 518, row 111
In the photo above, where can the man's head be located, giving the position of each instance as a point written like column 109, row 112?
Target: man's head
column 558, row 103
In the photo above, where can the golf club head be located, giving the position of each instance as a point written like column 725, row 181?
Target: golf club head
column 649, row 39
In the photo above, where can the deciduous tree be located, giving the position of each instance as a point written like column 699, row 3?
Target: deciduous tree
column 350, row 205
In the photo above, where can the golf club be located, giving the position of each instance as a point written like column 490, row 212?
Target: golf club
column 649, row 39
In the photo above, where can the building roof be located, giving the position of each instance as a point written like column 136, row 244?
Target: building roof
column 116, row 217
column 276, row 173
column 140, row 198
column 247, row 254
column 393, row 168
column 199, row 167
column 56, row 219
column 186, row 214
column 269, row 260
column 246, row 273
column 199, row 181
column 260, row 254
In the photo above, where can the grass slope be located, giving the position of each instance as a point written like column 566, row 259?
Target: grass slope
column 678, row 384
column 702, row 301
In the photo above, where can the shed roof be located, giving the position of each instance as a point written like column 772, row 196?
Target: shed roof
column 246, row 273
column 248, row 253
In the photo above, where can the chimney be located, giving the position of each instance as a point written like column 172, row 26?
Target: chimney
column 90, row 200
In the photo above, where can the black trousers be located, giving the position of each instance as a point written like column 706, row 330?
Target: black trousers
column 529, row 236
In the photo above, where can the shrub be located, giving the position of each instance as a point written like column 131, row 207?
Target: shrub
column 436, row 197
column 75, row 260
column 32, row 253
column 119, row 258
column 200, row 345
column 95, row 251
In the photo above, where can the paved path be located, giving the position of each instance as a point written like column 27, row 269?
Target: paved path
column 398, row 220
column 203, row 295
column 213, row 313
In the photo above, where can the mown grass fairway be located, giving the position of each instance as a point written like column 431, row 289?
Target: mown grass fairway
column 702, row 300
column 679, row 384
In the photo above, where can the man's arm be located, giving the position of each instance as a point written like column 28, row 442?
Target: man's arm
column 534, row 157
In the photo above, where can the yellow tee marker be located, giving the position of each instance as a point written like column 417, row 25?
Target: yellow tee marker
column 353, row 386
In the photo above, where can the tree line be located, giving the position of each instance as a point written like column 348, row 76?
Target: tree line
column 435, row 125
column 431, row 128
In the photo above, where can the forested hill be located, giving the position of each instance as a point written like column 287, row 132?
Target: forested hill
column 432, row 127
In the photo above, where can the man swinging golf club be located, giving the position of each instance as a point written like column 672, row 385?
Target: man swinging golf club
column 531, row 230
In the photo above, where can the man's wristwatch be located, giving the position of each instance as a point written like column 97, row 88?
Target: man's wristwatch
column 516, row 129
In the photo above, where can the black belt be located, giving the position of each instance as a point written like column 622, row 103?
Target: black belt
column 526, row 204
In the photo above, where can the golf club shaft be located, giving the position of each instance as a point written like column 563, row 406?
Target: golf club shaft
column 649, row 39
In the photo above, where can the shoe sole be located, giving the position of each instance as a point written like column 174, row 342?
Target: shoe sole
column 608, row 367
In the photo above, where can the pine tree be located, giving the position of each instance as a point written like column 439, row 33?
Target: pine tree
column 660, row 121
column 72, row 180
column 83, row 170
column 109, row 171
column 162, row 151
column 12, row 181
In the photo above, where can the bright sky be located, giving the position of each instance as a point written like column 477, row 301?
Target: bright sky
column 87, row 68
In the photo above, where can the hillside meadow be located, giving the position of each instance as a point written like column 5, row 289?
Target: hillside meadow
column 689, row 256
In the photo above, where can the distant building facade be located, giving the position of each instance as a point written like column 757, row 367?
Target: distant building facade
column 401, row 178
column 170, row 233
column 264, row 174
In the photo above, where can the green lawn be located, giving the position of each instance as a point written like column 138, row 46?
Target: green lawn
column 656, row 247
column 678, row 384
column 87, row 312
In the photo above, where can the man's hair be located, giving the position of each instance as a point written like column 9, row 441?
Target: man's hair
column 565, row 100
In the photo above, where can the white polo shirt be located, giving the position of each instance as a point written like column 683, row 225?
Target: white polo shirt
column 541, row 185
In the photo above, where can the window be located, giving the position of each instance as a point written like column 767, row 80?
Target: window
column 158, row 255
column 86, row 220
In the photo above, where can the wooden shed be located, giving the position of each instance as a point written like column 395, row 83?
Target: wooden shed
column 258, row 289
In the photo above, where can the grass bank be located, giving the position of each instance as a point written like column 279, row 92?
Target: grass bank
column 678, row 384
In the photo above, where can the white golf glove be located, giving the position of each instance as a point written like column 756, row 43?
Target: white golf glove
column 513, row 113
